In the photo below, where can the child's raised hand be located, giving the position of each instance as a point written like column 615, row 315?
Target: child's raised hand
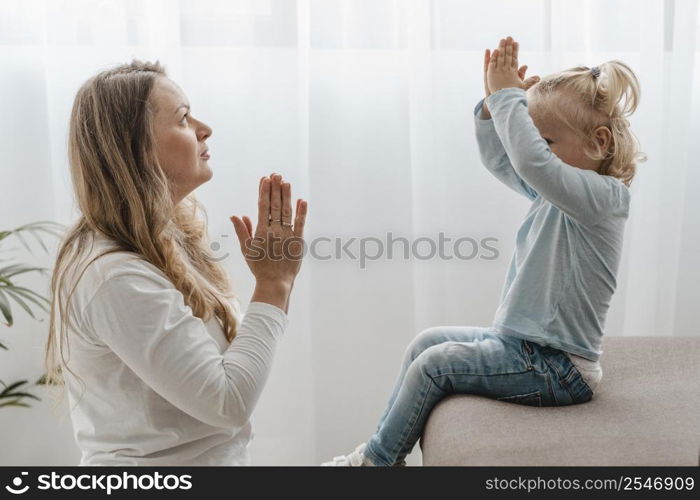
column 501, row 68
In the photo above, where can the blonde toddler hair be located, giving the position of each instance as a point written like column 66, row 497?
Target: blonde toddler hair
column 583, row 99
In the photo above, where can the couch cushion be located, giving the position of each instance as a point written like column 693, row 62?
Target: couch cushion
column 646, row 411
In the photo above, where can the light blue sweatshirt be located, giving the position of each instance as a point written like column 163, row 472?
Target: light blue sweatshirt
column 562, row 275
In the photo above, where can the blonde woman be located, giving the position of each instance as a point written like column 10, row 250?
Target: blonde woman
column 145, row 335
column 563, row 142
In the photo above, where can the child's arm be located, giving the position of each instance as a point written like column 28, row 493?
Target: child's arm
column 584, row 195
column 493, row 156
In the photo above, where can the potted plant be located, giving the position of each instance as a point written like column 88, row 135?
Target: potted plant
column 16, row 393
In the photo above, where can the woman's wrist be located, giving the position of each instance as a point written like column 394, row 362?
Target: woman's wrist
column 275, row 292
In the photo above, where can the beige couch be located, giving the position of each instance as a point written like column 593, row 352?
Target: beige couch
column 646, row 411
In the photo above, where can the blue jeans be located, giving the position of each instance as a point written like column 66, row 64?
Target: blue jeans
column 470, row 360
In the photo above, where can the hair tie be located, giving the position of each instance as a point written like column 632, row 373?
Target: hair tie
column 595, row 71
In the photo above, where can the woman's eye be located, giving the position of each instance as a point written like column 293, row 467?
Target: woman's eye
column 183, row 118
column 548, row 140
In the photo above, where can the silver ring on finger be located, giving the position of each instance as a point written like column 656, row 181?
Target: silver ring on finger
column 287, row 224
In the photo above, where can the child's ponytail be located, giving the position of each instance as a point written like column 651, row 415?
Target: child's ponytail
column 619, row 85
column 621, row 88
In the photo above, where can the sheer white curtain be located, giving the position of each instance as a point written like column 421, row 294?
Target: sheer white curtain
column 366, row 106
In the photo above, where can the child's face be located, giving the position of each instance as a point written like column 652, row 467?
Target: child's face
column 565, row 143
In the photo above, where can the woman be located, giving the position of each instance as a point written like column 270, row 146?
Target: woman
column 161, row 370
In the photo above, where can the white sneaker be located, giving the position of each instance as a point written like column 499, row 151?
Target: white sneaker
column 355, row 459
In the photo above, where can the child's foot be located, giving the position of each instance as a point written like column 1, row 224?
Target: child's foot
column 355, row 459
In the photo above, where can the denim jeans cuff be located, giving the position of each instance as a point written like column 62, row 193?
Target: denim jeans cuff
column 372, row 457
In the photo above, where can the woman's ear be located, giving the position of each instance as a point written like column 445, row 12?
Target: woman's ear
column 603, row 137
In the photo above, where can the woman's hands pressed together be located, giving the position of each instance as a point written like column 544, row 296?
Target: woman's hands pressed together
column 501, row 70
column 274, row 251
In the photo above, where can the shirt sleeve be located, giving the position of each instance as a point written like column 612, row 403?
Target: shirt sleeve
column 143, row 319
column 494, row 156
column 584, row 195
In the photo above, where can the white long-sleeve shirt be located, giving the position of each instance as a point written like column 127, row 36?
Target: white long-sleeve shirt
column 162, row 387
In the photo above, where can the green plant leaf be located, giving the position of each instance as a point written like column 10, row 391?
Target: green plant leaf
column 16, row 269
column 25, row 290
column 23, row 395
column 48, row 227
column 15, row 403
column 9, row 269
column 33, row 232
column 5, row 308
column 16, row 393
column 9, row 388
column 11, row 392
column 20, row 237
column 28, row 294
column 18, row 298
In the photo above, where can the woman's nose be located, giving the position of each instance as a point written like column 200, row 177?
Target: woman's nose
column 205, row 131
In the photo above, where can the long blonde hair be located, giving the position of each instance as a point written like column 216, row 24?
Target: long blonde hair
column 123, row 193
column 587, row 98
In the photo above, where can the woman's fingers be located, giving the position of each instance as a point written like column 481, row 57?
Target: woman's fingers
column 300, row 220
column 264, row 204
column 242, row 231
column 516, row 51
column 276, row 200
column 286, row 203
column 248, row 225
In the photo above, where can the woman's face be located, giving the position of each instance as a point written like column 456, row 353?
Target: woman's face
column 179, row 139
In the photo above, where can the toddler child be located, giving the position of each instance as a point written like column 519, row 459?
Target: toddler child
column 564, row 142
